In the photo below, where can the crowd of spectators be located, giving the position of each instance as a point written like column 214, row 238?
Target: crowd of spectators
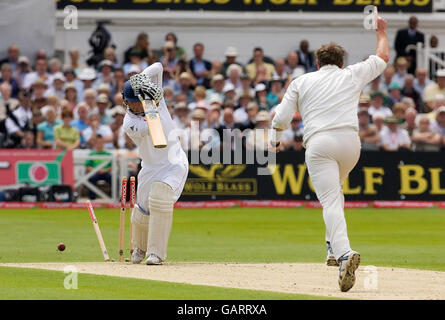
column 46, row 104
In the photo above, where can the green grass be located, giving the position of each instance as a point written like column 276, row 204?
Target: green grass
column 412, row 238
column 43, row 284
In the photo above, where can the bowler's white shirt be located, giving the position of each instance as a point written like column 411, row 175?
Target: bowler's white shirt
column 327, row 99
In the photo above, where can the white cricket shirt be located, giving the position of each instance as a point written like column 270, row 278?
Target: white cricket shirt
column 328, row 98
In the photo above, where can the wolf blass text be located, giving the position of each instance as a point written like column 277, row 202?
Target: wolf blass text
column 225, row 309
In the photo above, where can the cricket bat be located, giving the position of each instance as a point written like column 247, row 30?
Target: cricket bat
column 155, row 129
column 98, row 233
column 122, row 219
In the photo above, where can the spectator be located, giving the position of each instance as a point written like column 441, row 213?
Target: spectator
column 369, row 136
column 57, row 86
column 7, row 76
column 169, row 59
column 38, row 99
column 65, row 135
column 261, row 76
column 110, row 55
column 257, row 139
column 306, row 58
column 229, row 92
column 118, row 114
column 438, row 126
column 421, row 81
column 261, row 96
column 231, row 55
column 199, row 94
column 142, row 45
column 90, row 99
column 378, row 119
column 22, row 70
column 398, row 111
column 7, row 103
column 103, row 103
column 17, row 122
column 410, row 121
column 280, row 70
column 105, row 74
column 180, row 52
column 95, row 129
column 388, row 75
column 217, row 68
column 87, row 76
column 185, row 86
column 246, row 87
column 409, row 91
column 74, row 57
column 102, row 174
column 434, row 88
column 55, row 66
column 45, row 130
column 364, row 101
column 258, row 61
column 377, row 99
column 439, row 101
column 181, row 67
column 401, row 71
column 40, row 73
column 406, row 41
column 394, row 94
column 276, row 89
column 393, row 137
column 289, row 140
column 292, row 63
column 135, row 61
column 28, row 141
column 375, row 85
column 434, row 66
column 251, row 111
column 180, row 115
column 13, row 57
column 81, row 123
column 217, row 86
column 200, row 67
column 423, row 138
column 233, row 73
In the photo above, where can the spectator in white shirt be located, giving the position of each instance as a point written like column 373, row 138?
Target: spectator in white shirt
column 40, row 73
column 94, row 129
column 401, row 71
column 393, row 137
column 377, row 99
column 421, row 80
column 423, row 138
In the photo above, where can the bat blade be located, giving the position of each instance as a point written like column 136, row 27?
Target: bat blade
column 155, row 128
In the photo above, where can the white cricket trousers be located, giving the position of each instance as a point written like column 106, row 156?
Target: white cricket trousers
column 330, row 156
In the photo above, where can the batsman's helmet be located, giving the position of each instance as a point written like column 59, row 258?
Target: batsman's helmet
column 128, row 93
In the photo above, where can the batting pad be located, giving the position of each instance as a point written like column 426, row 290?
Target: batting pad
column 139, row 221
column 161, row 201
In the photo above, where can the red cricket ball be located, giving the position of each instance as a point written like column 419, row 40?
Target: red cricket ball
column 61, row 247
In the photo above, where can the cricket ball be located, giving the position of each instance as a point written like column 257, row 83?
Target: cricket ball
column 61, row 247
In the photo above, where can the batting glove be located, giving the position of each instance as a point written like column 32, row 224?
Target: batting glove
column 152, row 92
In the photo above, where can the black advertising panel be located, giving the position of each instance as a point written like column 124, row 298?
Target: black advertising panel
column 377, row 176
column 253, row 5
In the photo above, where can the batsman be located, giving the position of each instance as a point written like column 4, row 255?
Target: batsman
column 164, row 164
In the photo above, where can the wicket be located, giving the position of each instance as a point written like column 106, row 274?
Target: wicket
column 122, row 214
column 98, row 233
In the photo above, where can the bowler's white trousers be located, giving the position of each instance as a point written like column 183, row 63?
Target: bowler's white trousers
column 330, row 156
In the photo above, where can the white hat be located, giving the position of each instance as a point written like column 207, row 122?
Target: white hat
column 440, row 73
column 260, row 87
column 59, row 76
column 231, row 52
column 228, row 87
column 104, row 86
column 87, row 74
column 262, row 116
column 440, row 109
column 134, row 68
column 23, row 59
column 215, row 98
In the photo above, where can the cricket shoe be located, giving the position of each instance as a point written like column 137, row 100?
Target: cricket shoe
column 137, row 256
column 330, row 259
column 349, row 262
column 153, row 259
